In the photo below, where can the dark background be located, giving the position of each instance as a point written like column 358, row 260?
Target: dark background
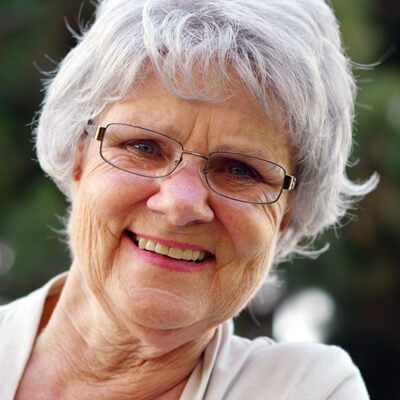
column 360, row 272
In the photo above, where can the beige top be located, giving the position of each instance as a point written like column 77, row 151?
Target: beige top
column 233, row 368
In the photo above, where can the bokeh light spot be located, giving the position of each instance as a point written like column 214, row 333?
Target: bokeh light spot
column 7, row 258
column 304, row 316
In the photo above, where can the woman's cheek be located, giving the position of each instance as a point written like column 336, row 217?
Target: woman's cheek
column 94, row 244
column 104, row 204
column 115, row 193
column 251, row 229
column 246, row 250
column 235, row 283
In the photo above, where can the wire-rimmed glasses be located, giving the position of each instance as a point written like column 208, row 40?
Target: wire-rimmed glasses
column 148, row 153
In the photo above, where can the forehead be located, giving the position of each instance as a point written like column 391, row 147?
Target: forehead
column 233, row 121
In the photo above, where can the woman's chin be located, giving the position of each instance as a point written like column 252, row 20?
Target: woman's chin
column 158, row 309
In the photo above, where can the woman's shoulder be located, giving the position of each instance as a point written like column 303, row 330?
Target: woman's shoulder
column 18, row 310
column 19, row 321
column 307, row 354
column 286, row 370
column 262, row 348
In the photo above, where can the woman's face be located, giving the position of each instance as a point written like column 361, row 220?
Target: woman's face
column 151, row 294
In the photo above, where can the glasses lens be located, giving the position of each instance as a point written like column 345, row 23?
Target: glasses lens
column 140, row 150
column 243, row 177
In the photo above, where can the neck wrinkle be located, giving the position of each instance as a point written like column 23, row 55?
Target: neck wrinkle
column 89, row 354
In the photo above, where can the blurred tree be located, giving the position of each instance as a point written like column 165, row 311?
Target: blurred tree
column 33, row 37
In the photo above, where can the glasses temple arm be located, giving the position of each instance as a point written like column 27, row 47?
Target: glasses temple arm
column 289, row 182
column 95, row 131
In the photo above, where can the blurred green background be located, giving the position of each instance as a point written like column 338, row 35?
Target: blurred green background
column 359, row 274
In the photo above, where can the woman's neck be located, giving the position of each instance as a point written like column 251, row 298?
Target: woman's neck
column 81, row 352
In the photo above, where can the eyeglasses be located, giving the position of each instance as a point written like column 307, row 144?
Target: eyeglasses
column 145, row 152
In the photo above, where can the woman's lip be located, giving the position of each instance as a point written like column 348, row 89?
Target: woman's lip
column 171, row 243
column 166, row 262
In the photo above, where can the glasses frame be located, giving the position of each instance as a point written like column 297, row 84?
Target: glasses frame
column 97, row 133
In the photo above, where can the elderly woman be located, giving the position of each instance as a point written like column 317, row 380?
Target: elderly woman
column 199, row 143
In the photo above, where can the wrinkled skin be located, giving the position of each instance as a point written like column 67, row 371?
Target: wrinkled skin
column 122, row 319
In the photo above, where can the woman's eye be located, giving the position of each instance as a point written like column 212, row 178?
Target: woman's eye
column 239, row 170
column 233, row 170
column 142, row 146
column 145, row 147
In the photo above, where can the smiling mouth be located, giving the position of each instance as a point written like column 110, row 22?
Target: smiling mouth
column 194, row 256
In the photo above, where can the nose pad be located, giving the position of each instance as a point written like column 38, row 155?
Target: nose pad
column 202, row 168
column 182, row 197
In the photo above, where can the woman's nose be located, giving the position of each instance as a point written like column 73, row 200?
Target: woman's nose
column 183, row 197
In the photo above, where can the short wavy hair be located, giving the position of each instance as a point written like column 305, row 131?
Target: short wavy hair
column 286, row 53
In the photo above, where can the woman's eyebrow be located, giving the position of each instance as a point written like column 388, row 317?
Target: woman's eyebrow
column 149, row 119
column 264, row 152
column 163, row 124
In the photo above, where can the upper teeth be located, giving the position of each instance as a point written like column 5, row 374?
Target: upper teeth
column 173, row 252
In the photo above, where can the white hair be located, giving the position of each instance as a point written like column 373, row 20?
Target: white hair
column 286, row 52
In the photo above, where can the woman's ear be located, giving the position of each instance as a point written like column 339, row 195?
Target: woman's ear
column 287, row 217
column 77, row 172
column 78, row 160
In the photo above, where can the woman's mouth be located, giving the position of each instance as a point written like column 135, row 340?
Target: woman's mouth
column 194, row 256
